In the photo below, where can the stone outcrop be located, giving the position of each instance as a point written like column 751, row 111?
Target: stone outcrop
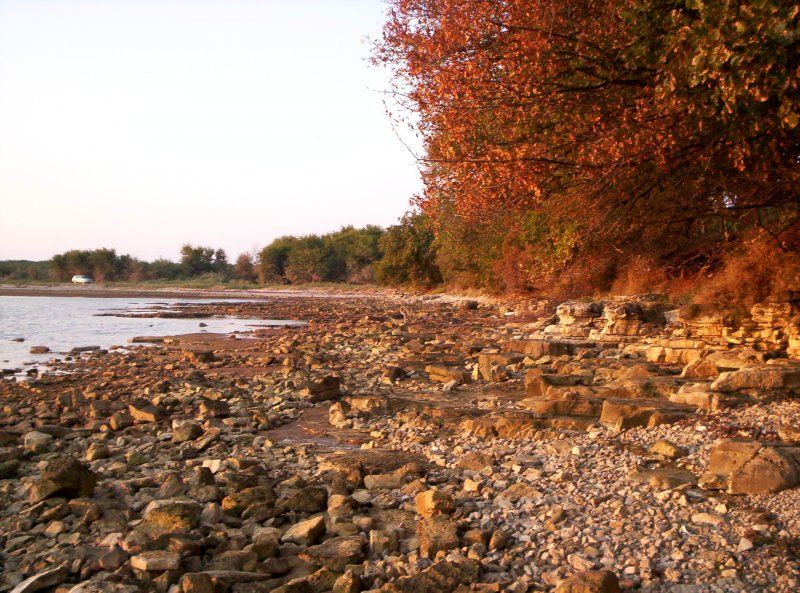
column 613, row 321
column 752, row 467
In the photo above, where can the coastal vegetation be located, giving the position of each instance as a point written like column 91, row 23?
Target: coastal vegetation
column 402, row 254
column 576, row 147
column 346, row 255
column 105, row 265
column 22, row 270
column 569, row 149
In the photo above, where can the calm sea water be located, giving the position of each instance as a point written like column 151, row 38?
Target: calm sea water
column 63, row 323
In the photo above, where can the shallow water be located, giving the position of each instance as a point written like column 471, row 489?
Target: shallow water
column 63, row 323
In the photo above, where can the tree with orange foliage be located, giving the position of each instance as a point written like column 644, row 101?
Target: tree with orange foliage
column 643, row 125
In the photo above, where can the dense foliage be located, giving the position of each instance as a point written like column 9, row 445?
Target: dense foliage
column 245, row 268
column 402, row 254
column 21, row 270
column 101, row 264
column 409, row 253
column 571, row 139
column 346, row 255
column 202, row 260
column 105, row 265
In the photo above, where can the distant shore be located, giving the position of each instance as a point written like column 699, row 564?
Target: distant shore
column 105, row 291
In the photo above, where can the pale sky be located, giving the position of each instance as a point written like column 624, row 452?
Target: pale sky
column 144, row 124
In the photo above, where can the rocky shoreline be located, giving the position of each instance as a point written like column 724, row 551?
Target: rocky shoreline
column 412, row 444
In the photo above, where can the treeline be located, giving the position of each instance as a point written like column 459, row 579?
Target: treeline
column 579, row 146
column 21, row 270
column 347, row 255
column 401, row 254
column 105, row 265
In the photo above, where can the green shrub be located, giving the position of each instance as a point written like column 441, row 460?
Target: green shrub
column 409, row 254
column 346, row 255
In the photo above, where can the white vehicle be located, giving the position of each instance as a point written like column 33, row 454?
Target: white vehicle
column 81, row 279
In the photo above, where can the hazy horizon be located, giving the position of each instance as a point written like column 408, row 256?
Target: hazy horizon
column 141, row 125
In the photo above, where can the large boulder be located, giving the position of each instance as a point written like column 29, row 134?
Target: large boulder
column 43, row 580
column 508, row 425
column 37, row 442
column 595, row 581
column 761, row 378
column 238, row 502
column 624, row 414
column 120, row 420
column 566, row 404
column 705, row 368
column 578, row 312
column 305, row 532
column 171, row 516
column 538, row 384
column 493, row 366
column 440, row 577
column 309, row 499
column 752, row 467
column 735, row 358
column 435, row 534
column 439, row 373
column 234, row 560
column 337, row 553
column 65, row 477
column 156, row 561
column 213, row 408
column 668, row 449
column 143, row 411
column 537, row 348
column 199, row 357
column 101, row 586
column 321, row 390
column 185, row 430
column 519, row 491
column 433, row 502
column 698, row 396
